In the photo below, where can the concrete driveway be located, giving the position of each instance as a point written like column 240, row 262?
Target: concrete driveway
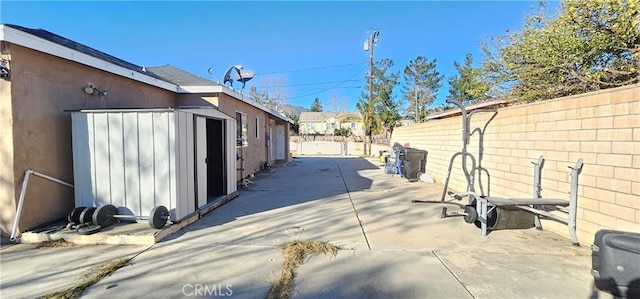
column 391, row 247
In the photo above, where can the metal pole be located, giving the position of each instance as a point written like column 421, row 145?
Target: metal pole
column 23, row 192
column 52, row 179
column 573, row 201
column 537, row 187
column 370, row 106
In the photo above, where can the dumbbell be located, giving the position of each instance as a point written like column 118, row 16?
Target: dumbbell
column 108, row 214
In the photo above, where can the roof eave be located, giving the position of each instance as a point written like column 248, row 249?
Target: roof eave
column 232, row 93
column 30, row 41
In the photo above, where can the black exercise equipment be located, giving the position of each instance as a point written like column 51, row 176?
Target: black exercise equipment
column 108, row 214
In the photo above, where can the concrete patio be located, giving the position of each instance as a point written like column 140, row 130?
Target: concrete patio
column 391, row 247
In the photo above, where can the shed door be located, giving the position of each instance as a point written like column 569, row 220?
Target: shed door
column 210, row 163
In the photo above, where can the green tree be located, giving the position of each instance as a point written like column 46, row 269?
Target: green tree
column 468, row 86
column 382, row 111
column 346, row 132
column 316, row 106
column 295, row 126
column 422, row 82
column 588, row 45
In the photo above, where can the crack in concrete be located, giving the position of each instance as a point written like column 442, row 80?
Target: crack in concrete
column 453, row 274
column 353, row 205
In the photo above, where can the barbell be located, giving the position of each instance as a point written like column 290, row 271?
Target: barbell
column 107, row 215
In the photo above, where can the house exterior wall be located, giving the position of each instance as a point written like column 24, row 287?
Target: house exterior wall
column 601, row 127
column 313, row 127
column 320, row 127
column 42, row 87
column 7, row 192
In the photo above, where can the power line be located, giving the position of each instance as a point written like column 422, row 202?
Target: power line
column 339, row 87
column 305, row 84
column 312, row 68
column 332, row 87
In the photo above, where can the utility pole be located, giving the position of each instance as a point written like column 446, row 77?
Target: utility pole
column 373, row 39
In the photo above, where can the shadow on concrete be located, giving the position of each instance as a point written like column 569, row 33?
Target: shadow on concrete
column 282, row 203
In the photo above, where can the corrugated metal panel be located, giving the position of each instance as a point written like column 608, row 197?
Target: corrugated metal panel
column 231, row 156
column 81, row 165
column 185, row 171
column 125, row 159
column 131, row 162
column 201, row 165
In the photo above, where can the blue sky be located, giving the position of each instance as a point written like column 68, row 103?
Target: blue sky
column 312, row 49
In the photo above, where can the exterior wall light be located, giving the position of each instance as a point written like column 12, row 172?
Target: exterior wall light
column 92, row 90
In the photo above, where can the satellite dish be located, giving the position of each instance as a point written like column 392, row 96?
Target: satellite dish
column 239, row 75
column 244, row 76
column 210, row 71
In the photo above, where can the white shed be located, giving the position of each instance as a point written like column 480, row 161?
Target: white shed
column 137, row 159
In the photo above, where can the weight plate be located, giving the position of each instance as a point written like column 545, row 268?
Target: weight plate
column 87, row 214
column 89, row 229
column 470, row 214
column 492, row 217
column 103, row 215
column 74, row 215
column 158, row 217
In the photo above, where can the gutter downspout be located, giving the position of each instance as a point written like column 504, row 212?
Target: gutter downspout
column 25, row 182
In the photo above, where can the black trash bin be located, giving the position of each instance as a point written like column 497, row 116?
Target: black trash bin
column 414, row 162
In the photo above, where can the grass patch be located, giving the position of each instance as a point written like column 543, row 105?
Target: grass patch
column 295, row 253
column 55, row 244
column 96, row 274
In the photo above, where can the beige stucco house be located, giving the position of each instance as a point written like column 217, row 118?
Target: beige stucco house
column 324, row 123
column 44, row 76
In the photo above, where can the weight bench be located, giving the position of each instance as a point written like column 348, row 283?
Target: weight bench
column 537, row 205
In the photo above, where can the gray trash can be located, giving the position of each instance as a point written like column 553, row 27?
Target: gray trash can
column 414, row 162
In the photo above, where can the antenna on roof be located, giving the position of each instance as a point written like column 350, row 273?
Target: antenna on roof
column 239, row 75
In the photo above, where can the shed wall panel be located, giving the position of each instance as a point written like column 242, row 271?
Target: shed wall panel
column 82, row 169
column 131, row 169
column 182, row 207
column 116, row 160
column 160, row 147
column 201, row 154
column 173, row 185
column 190, row 201
column 146, row 162
column 102, row 193
column 230, row 153
column 91, row 156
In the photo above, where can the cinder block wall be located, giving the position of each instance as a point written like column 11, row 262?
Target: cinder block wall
column 603, row 128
